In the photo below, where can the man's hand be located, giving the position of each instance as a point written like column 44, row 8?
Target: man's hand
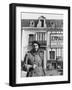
column 28, row 67
column 34, row 66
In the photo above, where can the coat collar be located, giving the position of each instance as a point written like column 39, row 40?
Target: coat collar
column 34, row 53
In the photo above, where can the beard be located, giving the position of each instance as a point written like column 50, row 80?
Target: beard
column 35, row 50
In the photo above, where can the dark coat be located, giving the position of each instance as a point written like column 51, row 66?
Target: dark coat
column 30, row 59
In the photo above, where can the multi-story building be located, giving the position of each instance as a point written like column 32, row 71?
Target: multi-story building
column 49, row 33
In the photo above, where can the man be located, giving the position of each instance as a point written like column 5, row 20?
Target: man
column 33, row 63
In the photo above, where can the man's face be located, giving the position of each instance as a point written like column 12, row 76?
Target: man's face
column 35, row 46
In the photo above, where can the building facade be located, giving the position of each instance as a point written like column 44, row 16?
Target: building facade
column 49, row 33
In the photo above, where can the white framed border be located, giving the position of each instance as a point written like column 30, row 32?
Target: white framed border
column 20, row 80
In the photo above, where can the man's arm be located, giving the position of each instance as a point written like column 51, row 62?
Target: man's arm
column 26, row 65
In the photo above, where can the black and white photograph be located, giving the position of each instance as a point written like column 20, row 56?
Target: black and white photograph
column 42, row 45
column 40, row 39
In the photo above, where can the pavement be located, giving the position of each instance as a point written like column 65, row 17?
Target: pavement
column 52, row 73
column 48, row 73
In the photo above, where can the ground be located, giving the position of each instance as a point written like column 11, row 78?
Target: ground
column 48, row 73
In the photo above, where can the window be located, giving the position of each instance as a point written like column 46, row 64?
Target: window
column 42, row 23
column 31, row 37
column 52, row 55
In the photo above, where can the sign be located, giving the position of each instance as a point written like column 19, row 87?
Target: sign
column 56, row 40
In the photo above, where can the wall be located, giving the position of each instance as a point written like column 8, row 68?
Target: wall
column 4, row 44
